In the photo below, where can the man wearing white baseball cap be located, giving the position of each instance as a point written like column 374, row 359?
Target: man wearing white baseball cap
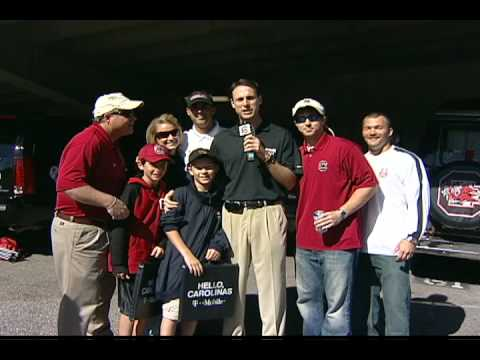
column 307, row 102
column 328, row 223
column 91, row 176
column 114, row 101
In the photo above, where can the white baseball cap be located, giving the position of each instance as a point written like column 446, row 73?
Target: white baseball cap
column 307, row 102
column 114, row 101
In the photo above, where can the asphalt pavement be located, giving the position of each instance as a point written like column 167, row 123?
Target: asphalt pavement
column 445, row 296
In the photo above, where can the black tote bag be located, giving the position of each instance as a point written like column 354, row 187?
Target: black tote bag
column 145, row 304
column 211, row 295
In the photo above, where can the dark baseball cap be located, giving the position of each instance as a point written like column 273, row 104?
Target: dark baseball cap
column 201, row 153
column 199, row 96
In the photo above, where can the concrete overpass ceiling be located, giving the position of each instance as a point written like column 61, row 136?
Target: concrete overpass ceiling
column 69, row 62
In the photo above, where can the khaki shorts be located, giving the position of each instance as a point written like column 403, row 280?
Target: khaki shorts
column 170, row 309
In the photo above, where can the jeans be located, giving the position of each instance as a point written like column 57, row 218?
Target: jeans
column 382, row 273
column 324, row 285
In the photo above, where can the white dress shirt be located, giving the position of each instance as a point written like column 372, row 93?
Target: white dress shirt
column 192, row 140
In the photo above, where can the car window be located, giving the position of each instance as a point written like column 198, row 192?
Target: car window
column 6, row 156
column 460, row 144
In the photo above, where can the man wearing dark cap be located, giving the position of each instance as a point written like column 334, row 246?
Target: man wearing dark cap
column 337, row 181
column 200, row 109
column 258, row 159
column 91, row 176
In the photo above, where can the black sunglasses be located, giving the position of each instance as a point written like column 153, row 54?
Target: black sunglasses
column 127, row 113
column 200, row 106
column 299, row 119
column 166, row 134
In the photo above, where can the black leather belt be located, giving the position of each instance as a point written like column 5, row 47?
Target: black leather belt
column 238, row 205
column 80, row 219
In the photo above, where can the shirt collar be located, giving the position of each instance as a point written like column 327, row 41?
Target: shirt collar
column 388, row 151
column 264, row 126
column 102, row 133
column 213, row 131
column 321, row 143
column 154, row 190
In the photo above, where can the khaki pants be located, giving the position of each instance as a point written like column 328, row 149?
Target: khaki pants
column 80, row 257
column 258, row 237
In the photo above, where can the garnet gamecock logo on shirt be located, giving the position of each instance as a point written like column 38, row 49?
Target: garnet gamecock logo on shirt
column 323, row 166
column 383, row 172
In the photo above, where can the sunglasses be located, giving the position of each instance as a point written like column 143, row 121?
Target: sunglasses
column 166, row 134
column 129, row 114
column 200, row 106
column 299, row 119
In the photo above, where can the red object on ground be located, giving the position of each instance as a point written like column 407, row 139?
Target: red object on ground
column 9, row 243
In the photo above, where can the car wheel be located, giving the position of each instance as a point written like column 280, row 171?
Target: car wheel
column 455, row 196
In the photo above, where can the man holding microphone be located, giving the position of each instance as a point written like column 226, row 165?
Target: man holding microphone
column 258, row 159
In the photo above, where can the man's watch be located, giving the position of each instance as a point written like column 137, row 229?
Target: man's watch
column 269, row 158
column 343, row 214
column 412, row 240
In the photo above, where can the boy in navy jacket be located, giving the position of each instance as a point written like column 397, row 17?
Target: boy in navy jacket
column 194, row 230
column 136, row 238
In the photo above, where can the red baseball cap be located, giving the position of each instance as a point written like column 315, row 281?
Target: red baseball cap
column 153, row 153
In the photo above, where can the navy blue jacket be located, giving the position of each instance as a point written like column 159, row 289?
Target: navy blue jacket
column 198, row 220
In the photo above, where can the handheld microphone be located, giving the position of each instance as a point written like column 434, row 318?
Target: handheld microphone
column 244, row 130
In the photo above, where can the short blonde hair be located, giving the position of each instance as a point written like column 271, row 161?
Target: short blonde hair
column 163, row 119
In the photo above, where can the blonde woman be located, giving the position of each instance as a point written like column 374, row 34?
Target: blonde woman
column 167, row 131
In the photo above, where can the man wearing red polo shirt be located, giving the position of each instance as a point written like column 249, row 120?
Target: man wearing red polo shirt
column 91, row 176
column 338, row 181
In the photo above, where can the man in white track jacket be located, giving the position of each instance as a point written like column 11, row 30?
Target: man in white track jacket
column 394, row 220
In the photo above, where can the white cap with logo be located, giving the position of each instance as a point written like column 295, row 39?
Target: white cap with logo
column 114, row 101
column 308, row 103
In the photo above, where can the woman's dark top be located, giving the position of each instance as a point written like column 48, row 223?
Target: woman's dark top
column 176, row 175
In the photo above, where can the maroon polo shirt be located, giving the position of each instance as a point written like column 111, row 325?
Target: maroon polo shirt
column 90, row 158
column 332, row 171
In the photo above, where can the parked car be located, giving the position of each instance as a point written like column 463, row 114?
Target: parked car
column 30, row 150
column 451, row 153
column 17, row 176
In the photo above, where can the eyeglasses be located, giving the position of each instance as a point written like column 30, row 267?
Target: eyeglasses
column 299, row 119
column 129, row 114
column 166, row 134
column 200, row 106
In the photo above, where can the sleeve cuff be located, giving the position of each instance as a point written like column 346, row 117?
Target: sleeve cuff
column 120, row 269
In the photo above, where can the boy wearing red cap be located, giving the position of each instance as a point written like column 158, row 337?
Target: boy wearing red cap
column 137, row 238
